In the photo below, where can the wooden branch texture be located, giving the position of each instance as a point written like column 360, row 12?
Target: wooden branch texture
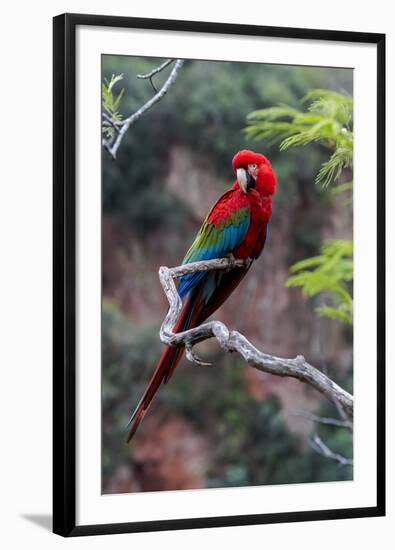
column 232, row 340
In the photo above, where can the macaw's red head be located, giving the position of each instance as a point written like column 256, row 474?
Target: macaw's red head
column 254, row 171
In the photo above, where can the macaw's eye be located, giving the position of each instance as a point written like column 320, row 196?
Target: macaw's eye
column 253, row 166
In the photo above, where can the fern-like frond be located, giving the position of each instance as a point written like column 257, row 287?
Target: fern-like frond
column 332, row 169
column 329, row 274
column 339, row 314
column 327, row 121
column 343, row 187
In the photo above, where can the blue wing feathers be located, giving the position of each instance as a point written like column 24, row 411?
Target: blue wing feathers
column 213, row 242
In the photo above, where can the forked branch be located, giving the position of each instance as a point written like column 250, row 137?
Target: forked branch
column 112, row 144
column 232, row 340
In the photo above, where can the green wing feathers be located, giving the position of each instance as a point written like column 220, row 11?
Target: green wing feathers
column 220, row 234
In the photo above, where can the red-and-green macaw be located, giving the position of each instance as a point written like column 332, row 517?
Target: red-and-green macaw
column 236, row 225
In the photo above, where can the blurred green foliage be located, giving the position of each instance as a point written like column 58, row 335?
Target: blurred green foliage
column 128, row 353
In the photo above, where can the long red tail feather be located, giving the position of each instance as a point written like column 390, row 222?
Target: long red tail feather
column 194, row 312
column 168, row 361
column 168, row 357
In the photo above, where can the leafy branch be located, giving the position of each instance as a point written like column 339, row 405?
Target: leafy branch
column 327, row 120
column 329, row 273
column 114, row 125
column 111, row 117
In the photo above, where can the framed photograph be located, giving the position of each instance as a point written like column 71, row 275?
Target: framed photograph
column 218, row 275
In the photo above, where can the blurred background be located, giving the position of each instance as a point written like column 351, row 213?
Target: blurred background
column 228, row 425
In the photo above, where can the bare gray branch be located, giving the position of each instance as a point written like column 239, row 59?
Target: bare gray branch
column 297, row 368
column 327, row 420
column 321, row 448
column 107, row 120
column 157, row 70
column 124, row 125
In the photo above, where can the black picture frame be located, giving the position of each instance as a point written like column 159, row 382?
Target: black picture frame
column 64, row 273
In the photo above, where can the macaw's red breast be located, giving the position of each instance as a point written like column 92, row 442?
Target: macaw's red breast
column 236, row 203
column 260, row 213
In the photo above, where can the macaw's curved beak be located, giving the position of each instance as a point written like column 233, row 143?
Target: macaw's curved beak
column 245, row 180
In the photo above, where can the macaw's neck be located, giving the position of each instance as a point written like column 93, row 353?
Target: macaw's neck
column 267, row 207
column 260, row 205
column 257, row 199
column 266, row 180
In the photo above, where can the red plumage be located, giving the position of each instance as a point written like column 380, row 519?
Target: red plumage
column 201, row 300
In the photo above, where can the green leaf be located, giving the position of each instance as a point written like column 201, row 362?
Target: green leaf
column 334, row 313
column 331, row 170
column 327, row 121
column 111, row 105
column 343, row 187
column 118, row 99
column 113, row 81
column 328, row 274
column 307, row 262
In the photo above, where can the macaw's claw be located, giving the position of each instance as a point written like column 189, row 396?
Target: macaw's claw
column 232, row 262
